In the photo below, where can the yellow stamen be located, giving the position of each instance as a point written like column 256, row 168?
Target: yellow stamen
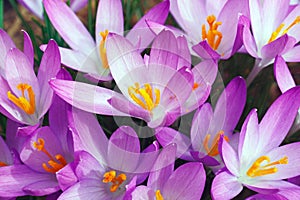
column 213, row 150
column 257, row 170
column 276, row 33
column 145, row 97
column 102, row 49
column 22, row 102
column 2, row 164
column 55, row 163
column 110, row 177
column 158, row 195
column 213, row 36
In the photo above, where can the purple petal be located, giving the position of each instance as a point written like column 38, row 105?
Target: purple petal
column 66, row 176
column 141, row 32
column 143, row 192
column 48, row 69
column 225, row 186
column 162, row 168
column 6, row 43
column 267, row 197
column 205, row 51
column 69, row 26
column 229, row 157
column 5, row 156
column 43, row 187
column 109, row 17
column 283, row 76
column 85, row 96
column 275, row 124
column 179, row 186
column 28, row 48
column 248, row 39
column 76, row 5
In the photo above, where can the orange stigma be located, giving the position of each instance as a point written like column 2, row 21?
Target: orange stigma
column 102, row 49
column 27, row 106
column 195, row 86
column 110, row 177
column 213, row 150
column 261, row 170
column 145, row 96
column 55, row 163
column 2, row 164
column 212, row 35
column 276, row 33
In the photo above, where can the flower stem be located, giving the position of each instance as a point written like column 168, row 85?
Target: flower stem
column 255, row 70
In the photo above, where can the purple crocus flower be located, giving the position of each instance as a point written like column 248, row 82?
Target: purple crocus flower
column 105, row 168
column 89, row 56
column 185, row 183
column 25, row 97
column 208, row 126
column 158, row 88
column 210, row 27
column 285, row 82
column 270, row 24
column 259, row 163
column 36, row 6
column 44, row 154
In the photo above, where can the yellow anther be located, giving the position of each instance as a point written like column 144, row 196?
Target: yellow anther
column 276, row 33
column 213, row 150
column 110, row 177
column 212, row 35
column 27, row 106
column 145, row 97
column 56, row 163
column 102, row 49
column 158, row 195
column 257, row 169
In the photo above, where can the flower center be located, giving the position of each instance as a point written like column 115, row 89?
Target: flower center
column 212, row 35
column 102, row 49
column 2, row 164
column 260, row 170
column 147, row 97
column 280, row 27
column 55, row 163
column 26, row 105
column 110, row 177
column 158, row 195
column 213, row 150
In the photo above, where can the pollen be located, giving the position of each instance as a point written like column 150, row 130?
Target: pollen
column 116, row 181
column 27, row 105
column 257, row 169
column 55, row 163
column 279, row 30
column 147, row 97
column 212, row 35
column 213, row 150
column 102, row 49
column 158, row 195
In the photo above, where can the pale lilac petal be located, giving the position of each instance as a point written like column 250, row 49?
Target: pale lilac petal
column 283, row 76
column 69, row 26
column 14, row 178
column 48, row 69
column 205, row 51
column 90, row 135
column 141, row 32
column 167, row 136
column 249, row 41
column 76, row 5
column 229, row 157
column 294, row 31
column 162, row 168
column 43, row 187
column 225, row 186
column 292, row 55
column 66, row 177
column 109, row 17
column 6, row 43
column 271, row 187
column 184, row 59
column 275, row 124
column 179, row 186
column 143, row 193
column 208, row 70
column 35, row 6
column 267, row 197
column 84, row 96
column 5, row 156
column 28, row 48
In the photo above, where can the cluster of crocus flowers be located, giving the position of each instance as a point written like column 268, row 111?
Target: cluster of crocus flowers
column 189, row 138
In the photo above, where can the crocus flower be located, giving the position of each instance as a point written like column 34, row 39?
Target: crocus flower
column 44, row 154
column 185, row 183
column 158, row 90
column 25, row 97
column 36, row 6
column 259, row 163
column 274, row 31
column 105, row 168
column 210, row 27
column 285, row 82
column 87, row 55
column 208, row 126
